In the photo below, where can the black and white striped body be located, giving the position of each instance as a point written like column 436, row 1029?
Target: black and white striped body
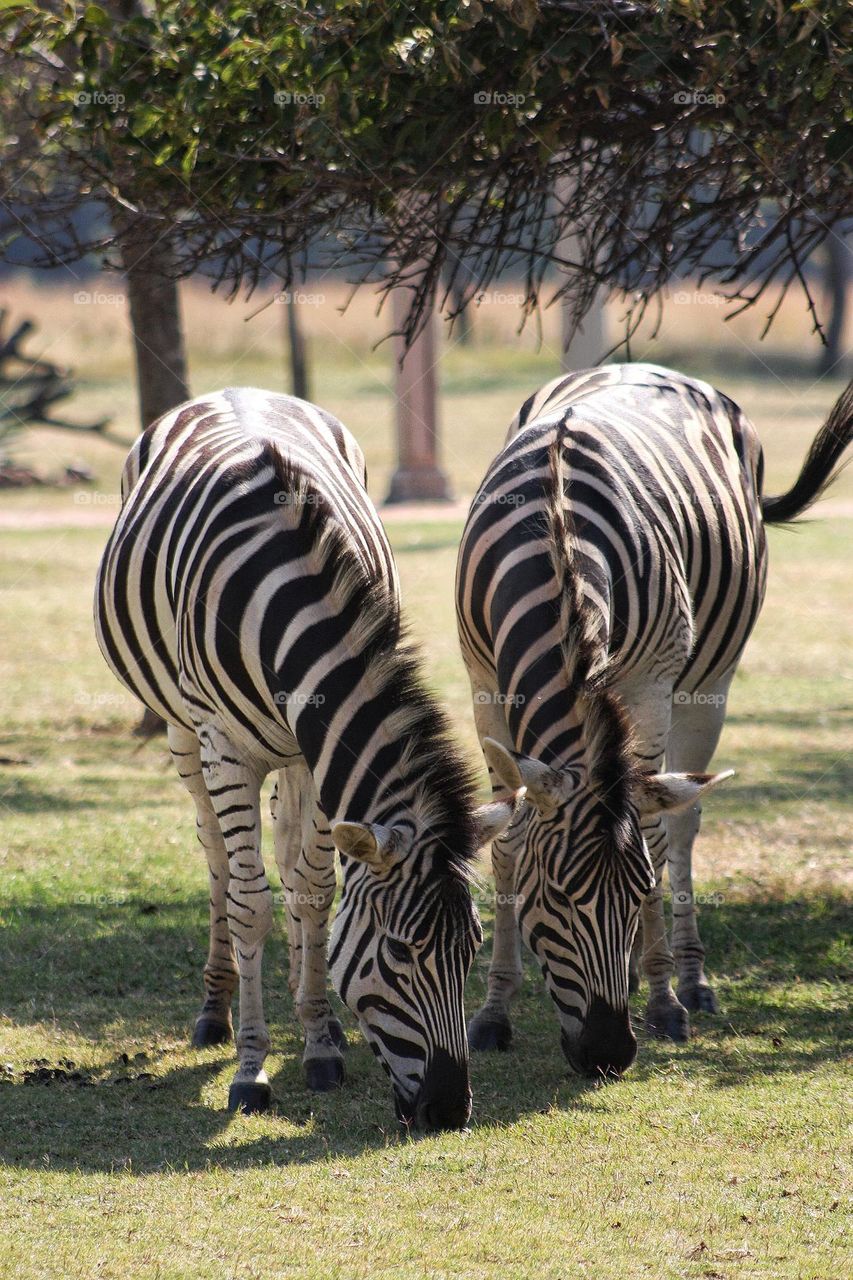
column 612, row 567
column 248, row 594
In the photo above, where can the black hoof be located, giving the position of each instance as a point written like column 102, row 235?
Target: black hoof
column 208, row 1031
column 324, row 1074
column 669, row 1022
column 251, row 1098
column 338, row 1037
column 485, row 1035
column 699, row 998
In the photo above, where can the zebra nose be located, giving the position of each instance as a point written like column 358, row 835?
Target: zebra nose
column 607, row 1045
column 444, row 1101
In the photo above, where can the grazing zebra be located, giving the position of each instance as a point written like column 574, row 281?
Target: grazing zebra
column 248, row 595
column 611, row 569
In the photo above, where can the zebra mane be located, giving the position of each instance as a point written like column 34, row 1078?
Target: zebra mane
column 445, row 788
column 607, row 731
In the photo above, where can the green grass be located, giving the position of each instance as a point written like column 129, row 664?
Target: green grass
column 725, row 1158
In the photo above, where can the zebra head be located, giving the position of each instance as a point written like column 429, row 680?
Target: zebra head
column 404, row 938
column 583, row 873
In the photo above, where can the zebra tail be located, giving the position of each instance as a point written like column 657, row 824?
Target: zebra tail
column 820, row 468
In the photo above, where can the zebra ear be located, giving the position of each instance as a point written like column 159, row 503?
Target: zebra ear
column 492, row 820
column 546, row 787
column 673, row 792
column 377, row 846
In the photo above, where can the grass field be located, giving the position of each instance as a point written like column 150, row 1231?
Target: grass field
column 724, row 1158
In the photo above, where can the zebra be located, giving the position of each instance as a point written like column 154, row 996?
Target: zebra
column 611, row 569
column 248, row 595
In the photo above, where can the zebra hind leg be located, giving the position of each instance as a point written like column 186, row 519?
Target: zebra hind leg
column 213, row 1024
column 697, row 722
column 306, row 859
column 234, row 791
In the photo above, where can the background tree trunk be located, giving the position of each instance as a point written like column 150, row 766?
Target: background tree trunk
column 837, row 274
column 298, row 352
column 419, row 476
column 161, row 369
column 158, row 341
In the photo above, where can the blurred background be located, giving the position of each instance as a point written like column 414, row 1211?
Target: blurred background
column 486, row 367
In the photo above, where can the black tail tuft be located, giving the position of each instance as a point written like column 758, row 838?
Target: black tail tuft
column 820, row 467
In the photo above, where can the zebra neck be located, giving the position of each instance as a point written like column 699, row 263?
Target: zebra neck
column 396, row 767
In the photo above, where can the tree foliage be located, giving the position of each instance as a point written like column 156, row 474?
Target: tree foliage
column 621, row 141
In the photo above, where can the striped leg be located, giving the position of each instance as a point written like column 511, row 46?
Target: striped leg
column 490, row 1027
column 213, row 1025
column 235, row 794
column 306, row 859
column 635, row 960
column 696, row 728
column 665, row 1015
column 284, row 807
column 650, row 713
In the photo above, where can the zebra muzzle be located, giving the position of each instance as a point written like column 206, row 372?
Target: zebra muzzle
column 606, row 1046
column 444, row 1099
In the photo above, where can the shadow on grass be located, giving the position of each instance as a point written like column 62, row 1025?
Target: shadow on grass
column 31, row 795
column 119, row 975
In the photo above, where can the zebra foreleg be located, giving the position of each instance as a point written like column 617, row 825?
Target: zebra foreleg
column 650, row 711
column 306, row 859
column 234, row 791
column 694, row 990
column 490, row 1027
column 284, row 807
column 635, row 960
column 665, row 1014
column 213, row 1024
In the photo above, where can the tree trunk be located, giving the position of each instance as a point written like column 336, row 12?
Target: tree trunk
column 297, row 347
column 418, row 477
column 837, row 279
column 158, row 341
column 161, row 372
